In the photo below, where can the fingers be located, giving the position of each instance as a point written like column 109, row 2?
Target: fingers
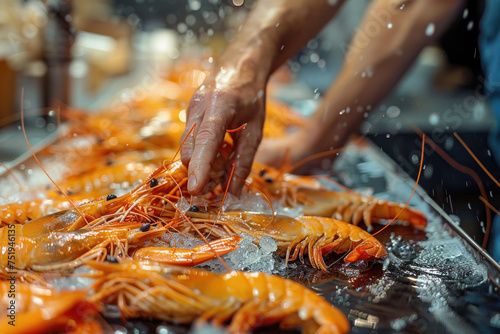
column 193, row 119
column 246, row 143
column 209, row 137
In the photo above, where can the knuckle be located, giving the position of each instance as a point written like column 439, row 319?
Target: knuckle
column 208, row 135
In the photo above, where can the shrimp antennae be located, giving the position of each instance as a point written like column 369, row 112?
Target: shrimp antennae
column 40, row 164
column 193, row 128
column 485, row 201
column 414, row 188
column 465, row 170
column 242, row 127
column 475, row 158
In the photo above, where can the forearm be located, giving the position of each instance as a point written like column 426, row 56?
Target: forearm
column 275, row 31
column 385, row 45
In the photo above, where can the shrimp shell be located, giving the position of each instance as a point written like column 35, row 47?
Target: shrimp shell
column 184, row 295
column 317, row 236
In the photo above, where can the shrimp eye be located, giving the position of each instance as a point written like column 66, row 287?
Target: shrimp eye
column 269, row 180
column 153, row 183
column 262, row 173
column 194, row 208
column 111, row 259
column 145, row 227
column 110, row 197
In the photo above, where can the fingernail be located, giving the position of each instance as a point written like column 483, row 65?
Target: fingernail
column 191, row 182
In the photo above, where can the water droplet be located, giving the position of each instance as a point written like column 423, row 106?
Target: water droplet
column 194, row 4
column 239, row 3
column 388, row 136
column 415, row 159
column 466, row 13
column 389, row 25
column 470, row 25
column 314, row 57
column 182, row 28
column 429, row 31
column 190, row 20
column 393, row 112
column 433, row 119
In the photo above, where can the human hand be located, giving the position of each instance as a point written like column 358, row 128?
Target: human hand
column 227, row 99
column 282, row 152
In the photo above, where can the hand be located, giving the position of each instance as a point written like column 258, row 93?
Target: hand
column 283, row 152
column 295, row 150
column 227, row 99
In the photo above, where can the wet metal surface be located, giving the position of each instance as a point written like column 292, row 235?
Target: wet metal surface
column 433, row 281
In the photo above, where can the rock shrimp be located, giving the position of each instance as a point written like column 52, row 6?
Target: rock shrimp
column 317, row 236
column 186, row 295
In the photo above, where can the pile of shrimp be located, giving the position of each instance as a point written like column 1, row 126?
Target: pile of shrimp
column 113, row 208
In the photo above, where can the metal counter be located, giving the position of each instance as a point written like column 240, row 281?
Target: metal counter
column 437, row 280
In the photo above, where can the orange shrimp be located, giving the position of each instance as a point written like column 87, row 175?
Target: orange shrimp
column 165, row 180
column 188, row 257
column 186, row 295
column 21, row 212
column 354, row 208
column 27, row 308
column 97, row 183
column 317, row 236
column 277, row 185
column 69, row 249
column 347, row 206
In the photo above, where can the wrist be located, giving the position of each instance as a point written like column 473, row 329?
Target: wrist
column 252, row 58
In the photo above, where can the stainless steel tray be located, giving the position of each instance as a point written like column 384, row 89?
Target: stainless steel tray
column 439, row 280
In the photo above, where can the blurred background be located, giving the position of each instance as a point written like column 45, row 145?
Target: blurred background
column 85, row 53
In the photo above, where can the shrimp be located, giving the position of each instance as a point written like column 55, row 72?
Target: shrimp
column 97, row 183
column 277, row 185
column 21, row 212
column 28, row 308
column 165, row 180
column 68, row 249
column 188, row 257
column 317, row 236
column 347, row 206
column 354, row 208
column 186, row 295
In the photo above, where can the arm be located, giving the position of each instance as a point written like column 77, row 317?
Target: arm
column 235, row 93
column 383, row 54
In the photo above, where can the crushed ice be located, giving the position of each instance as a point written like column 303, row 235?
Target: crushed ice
column 250, row 257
